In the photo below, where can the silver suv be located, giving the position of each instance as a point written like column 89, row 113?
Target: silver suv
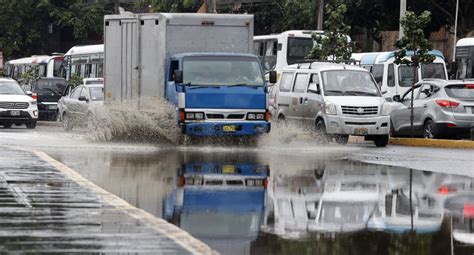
column 337, row 100
column 442, row 109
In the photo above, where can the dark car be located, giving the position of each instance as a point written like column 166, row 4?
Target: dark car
column 48, row 91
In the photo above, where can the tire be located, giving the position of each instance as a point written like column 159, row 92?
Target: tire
column 7, row 125
column 381, row 140
column 320, row 129
column 67, row 124
column 429, row 131
column 341, row 139
column 31, row 125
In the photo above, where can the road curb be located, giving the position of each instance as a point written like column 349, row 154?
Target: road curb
column 181, row 237
column 437, row 143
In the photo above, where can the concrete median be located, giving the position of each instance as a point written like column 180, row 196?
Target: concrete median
column 438, row 143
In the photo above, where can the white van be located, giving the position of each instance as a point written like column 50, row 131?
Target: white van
column 336, row 100
column 397, row 79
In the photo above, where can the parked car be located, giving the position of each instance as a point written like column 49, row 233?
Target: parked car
column 76, row 108
column 335, row 100
column 442, row 109
column 47, row 91
column 16, row 107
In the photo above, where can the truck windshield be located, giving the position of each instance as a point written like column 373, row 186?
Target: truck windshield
column 349, row 83
column 298, row 49
column 222, row 71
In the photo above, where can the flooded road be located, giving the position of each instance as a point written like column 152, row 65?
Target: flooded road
column 251, row 201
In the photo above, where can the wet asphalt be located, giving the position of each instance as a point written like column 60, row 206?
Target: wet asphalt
column 297, row 198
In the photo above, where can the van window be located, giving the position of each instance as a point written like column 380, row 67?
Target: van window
column 285, row 82
column 377, row 72
column 405, row 76
column 391, row 76
column 300, row 83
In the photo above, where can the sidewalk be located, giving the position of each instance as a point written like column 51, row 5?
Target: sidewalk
column 46, row 207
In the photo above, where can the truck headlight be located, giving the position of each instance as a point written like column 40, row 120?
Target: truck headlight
column 190, row 115
column 386, row 109
column 251, row 116
column 260, row 116
column 331, row 108
column 199, row 115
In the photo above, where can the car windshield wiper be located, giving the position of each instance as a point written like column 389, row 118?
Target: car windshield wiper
column 334, row 91
column 354, row 92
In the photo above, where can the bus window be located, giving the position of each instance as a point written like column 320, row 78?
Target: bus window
column 298, row 49
column 405, row 76
column 377, row 72
column 433, row 70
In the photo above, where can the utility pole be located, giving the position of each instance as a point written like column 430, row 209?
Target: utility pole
column 403, row 9
column 320, row 14
column 211, row 6
column 455, row 31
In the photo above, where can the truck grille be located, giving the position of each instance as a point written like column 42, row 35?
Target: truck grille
column 13, row 105
column 222, row 116
column 360, row 110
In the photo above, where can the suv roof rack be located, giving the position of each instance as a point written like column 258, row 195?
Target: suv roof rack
column 300, row 63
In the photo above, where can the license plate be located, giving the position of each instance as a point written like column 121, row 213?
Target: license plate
column 361, row 131
column 14, row 113
column 228, row 169
column 53, row 107
column 228, row 128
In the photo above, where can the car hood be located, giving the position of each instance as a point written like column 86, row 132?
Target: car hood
column 355, row 100
column 226, row 98
column 15, row 98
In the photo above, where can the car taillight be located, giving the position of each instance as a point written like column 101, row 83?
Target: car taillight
column 447, row 103
column 34, row 96
column 470, row 86
column 445, row 190
column 468, row 211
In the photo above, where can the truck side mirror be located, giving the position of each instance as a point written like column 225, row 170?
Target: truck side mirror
column 272, row 77
column 397, row 98
column 178, row 76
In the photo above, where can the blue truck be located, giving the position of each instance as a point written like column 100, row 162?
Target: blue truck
column 202, row 63
column 221, row 204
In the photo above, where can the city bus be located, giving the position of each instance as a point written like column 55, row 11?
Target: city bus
column 85, row 61
column 465, row 58
column 43, row 65
column 279, row 50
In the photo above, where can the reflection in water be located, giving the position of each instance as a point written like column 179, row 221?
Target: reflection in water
column 249, row 202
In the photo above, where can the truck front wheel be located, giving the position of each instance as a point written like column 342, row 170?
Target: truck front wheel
column 381, row 140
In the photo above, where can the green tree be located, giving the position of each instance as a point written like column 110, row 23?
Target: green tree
column 414, row 40
column 333, row 43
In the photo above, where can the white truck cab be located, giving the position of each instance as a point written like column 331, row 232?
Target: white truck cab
column 336, row 100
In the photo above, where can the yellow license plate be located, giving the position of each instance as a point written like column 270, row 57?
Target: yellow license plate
column 229, row 128
column 228, row 169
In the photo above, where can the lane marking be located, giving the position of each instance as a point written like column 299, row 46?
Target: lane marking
column 181, row 237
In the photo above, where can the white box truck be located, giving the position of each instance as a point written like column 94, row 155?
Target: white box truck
column 199, row 62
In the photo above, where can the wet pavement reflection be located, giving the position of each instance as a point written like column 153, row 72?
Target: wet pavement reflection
column 256, row 202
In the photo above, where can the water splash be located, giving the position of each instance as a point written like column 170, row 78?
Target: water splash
column 147, row 120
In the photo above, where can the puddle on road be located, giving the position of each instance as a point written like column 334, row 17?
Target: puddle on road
column 254, row 202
